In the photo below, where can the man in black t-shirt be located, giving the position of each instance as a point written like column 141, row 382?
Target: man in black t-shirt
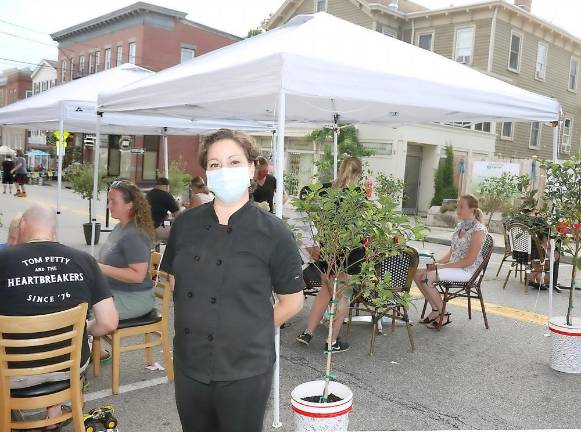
column 161, row 202
column 39, row 276
column 7, row 176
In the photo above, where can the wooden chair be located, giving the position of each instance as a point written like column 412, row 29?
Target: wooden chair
column 523, row 240
column 469, row 290
column 154, row 327
column 65, row 328
column 402, row 268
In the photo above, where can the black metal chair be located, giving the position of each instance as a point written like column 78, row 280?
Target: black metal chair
column 402, row 268
column 312, row 279
column 526, row 248
column 469, row 290
column 507, row 247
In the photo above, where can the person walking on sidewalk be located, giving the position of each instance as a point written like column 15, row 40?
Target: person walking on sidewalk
column 21, row 171
column 7, row 177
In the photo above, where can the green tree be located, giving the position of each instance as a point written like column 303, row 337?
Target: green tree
column 81, row 179
column 390, row 186
column 254, row 32
column 444, row 179
column 496, row 193
column 563, row 196
column 348, row 145
column 179, row 178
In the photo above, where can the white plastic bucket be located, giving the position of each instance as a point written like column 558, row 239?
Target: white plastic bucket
column 321, row 417
column 565, row 345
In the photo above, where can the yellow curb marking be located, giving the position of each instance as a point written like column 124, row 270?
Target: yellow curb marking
column 494, row 309
column 68, row 209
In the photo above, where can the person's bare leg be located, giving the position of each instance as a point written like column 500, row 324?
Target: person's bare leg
column 52, row 412
column 339, row 318
column 433, row 296
column 319, row 306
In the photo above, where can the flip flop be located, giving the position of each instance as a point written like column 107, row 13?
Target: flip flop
column 435, row 325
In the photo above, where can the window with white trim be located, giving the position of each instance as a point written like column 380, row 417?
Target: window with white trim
column 566, row 138
column 483, row 127
column 380, row 148
column 119, row 55
column 320, row 5
column 535, row 138
column 464, row 45
column 506, row 131
column 387, row 31
column 72, row 69
column 107, row 59
column 63, row 70
column 91, row 63
column 97, row 61
column 514, row 51
column 28, row 93
column 573, row 73
column 81, row 70
column 426, row 41
column 186, row 54
column 132, row 52
column 541, row 65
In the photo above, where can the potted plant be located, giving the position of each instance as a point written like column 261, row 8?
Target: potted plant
column 344, row 220
column 81, row 180
column 563, row 198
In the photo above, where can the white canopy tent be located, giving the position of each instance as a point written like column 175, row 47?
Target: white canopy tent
column 73, row 107
column 6, row 151
column 297, row 73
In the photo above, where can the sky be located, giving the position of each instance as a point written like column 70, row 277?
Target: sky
column 25, row 25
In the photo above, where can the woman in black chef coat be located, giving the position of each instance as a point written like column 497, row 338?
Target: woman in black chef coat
column 226, row 258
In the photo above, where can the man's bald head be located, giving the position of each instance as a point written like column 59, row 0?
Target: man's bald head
column 38, row 223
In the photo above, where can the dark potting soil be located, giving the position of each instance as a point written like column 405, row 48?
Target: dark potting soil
column 315, row 399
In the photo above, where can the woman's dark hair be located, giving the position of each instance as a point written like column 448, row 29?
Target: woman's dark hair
column 141, row 211
column 245, row 141
column 261, row 161
column 198, row 182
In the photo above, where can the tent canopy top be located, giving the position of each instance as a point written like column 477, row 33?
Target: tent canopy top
column 373, row 79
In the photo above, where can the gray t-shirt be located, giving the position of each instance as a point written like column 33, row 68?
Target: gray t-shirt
column 124, row 246
column 22, row 162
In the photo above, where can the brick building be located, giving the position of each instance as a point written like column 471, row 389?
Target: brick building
column 150, row 36
column 15, row 84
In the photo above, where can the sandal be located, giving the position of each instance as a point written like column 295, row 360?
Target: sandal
column 107, row 359
column 57, row 427
column 435, row 324
column 427, row 319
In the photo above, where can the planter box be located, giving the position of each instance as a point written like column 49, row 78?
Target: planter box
column 321, row 417
column 565, row 345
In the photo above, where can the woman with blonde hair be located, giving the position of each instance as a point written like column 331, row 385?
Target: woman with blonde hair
column 462, row 259
column 349, row 175
column 124, row 258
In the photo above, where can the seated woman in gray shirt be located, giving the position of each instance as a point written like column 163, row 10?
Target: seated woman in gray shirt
column 124, row 258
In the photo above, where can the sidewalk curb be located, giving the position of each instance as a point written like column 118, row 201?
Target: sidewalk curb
column 495, row 249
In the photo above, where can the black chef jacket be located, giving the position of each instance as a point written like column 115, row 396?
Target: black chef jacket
column 225, row 275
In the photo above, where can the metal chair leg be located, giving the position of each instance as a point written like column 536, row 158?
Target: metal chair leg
column 507, row 276
column 501, row 263
column 482, row 306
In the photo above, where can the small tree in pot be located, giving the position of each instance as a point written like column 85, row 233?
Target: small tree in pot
column 563, row 198
column 81, row 179
column 344, row 220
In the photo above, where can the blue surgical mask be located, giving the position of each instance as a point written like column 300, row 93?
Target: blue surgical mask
column 229, row 184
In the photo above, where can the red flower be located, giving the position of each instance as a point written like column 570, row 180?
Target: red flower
column 562, row 228
column 365, row 242
column 395, row 240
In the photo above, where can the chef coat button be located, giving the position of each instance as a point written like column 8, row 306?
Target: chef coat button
column 187, row 330
column 229, row 230
column 210, row 338
column 196, row 258
column 219, row 262
column 213, row 300
column 190, row 294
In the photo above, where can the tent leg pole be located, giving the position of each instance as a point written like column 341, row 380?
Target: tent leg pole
column 556, row 142
column 335, row 145
column 95, row 179
column 551, row 267
column 60, row 151
column 279, row 203
column 165, row 156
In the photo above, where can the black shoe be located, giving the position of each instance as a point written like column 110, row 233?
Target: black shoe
column 304, row 338
column 338, row 346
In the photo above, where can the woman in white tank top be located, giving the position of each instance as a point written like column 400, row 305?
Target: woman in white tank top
column 199, row 193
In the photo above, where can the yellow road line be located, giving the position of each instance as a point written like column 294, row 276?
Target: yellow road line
column 63, row 209
column 495, row 309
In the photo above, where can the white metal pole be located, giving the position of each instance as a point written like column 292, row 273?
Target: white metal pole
column 95, row 180
column 59, row 175
column 279, row 165
column 165, row 154
column 551, row 281
column 335, row 145
column 556, row 143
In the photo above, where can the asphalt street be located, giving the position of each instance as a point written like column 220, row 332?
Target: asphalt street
column 463, row 377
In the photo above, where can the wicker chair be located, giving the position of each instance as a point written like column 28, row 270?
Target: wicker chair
column 507, row 247
column 522, row 240
column 402, row 268
column 469, row 290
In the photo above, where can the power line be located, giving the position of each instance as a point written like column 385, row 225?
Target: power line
column 22, row 27
column 6, row 60
column 28, row 39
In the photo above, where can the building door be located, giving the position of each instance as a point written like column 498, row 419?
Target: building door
column 413, row 166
